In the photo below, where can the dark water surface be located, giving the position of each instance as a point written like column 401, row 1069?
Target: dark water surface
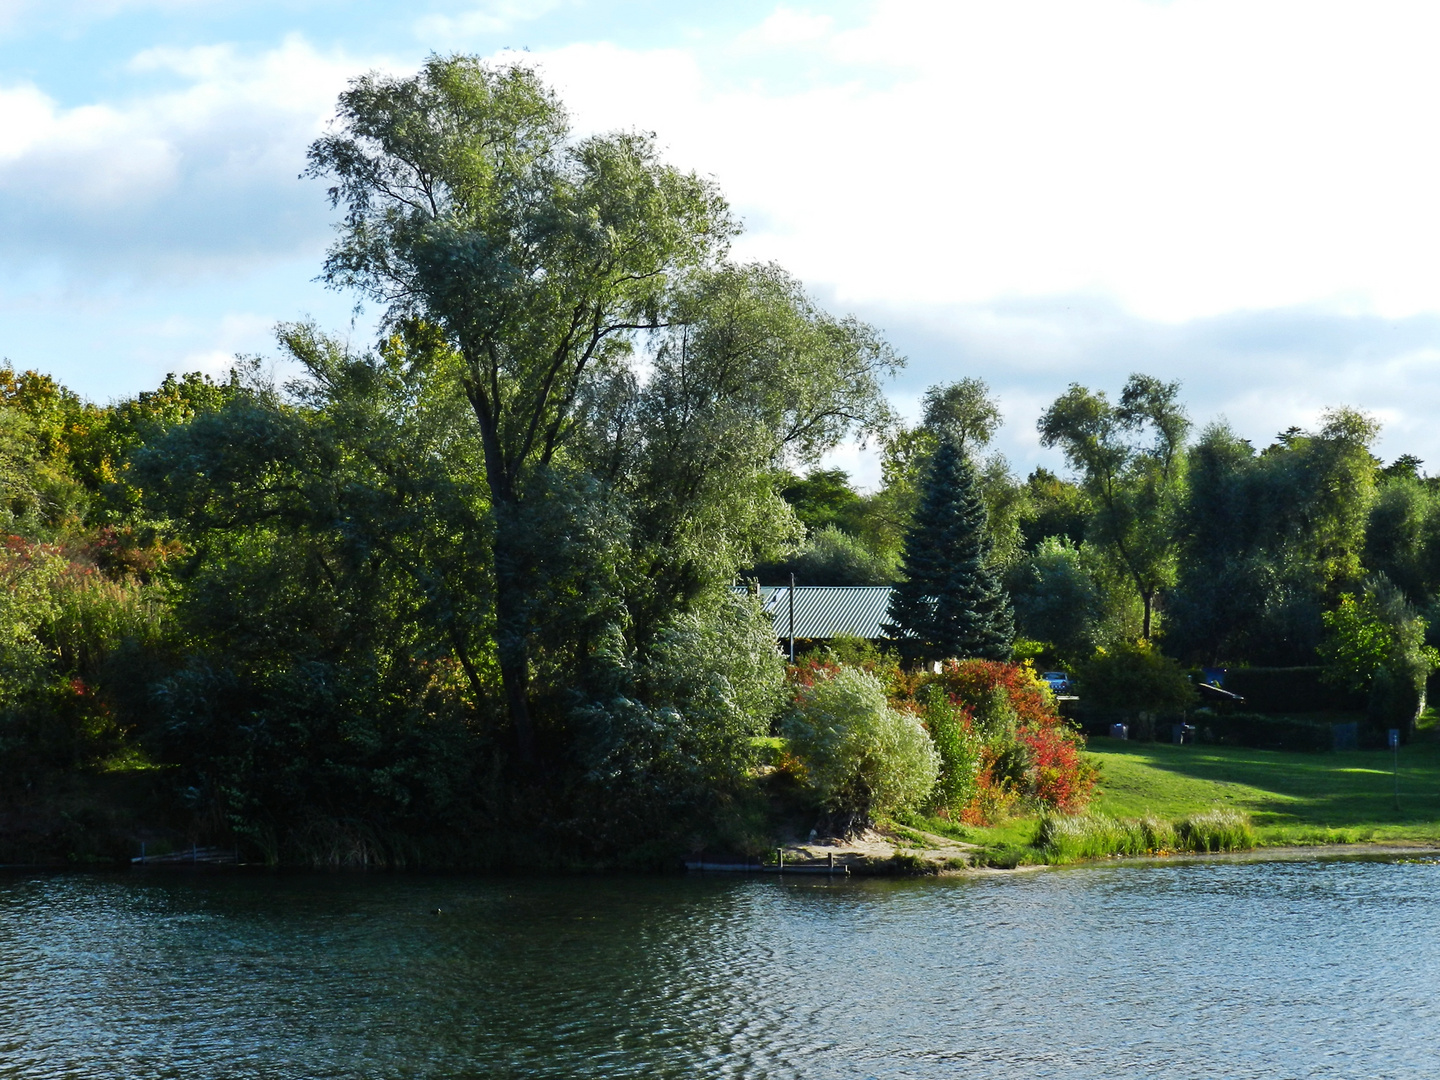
column 1303, row 969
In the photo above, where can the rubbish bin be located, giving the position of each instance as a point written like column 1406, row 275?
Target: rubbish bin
column 1119, row 731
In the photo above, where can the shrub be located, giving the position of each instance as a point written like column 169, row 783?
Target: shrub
column 68, row 635
column 960, row 747
column 1216, row 830
column 1091, row 836
column 1025, row 748
column 861, row 757
column 858, row 652
column 670, row 754
column 721, row 669
column 1135, row 676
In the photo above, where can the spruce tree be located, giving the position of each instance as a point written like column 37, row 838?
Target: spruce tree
column 951, row 602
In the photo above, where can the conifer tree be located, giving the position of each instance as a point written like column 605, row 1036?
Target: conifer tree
column 951, row 602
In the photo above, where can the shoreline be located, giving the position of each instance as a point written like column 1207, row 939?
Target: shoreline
column 858, row 859
column 1279, row 853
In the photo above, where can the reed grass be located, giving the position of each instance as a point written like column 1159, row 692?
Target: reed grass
column 1068, row 838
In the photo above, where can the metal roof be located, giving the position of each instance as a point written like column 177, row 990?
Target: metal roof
column 826, row 611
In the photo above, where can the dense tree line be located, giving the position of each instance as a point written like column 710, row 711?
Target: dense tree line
column 473, row 589
column 480, row 575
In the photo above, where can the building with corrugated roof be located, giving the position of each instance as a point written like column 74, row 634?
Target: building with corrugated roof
column 827, row 611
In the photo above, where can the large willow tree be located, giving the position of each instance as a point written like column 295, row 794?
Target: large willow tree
column 543, row 260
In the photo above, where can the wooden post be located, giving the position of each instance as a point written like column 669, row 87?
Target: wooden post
column 792, row 618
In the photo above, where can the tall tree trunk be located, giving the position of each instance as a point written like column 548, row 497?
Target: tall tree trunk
column 1149, row 597
column 512, row 620
column 512, row 630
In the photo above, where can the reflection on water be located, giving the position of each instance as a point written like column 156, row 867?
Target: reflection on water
column 1201, row 970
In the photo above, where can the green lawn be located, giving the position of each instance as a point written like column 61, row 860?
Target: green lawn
column 1291, row 798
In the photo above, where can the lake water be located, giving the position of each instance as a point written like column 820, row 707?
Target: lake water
column 1249, row 969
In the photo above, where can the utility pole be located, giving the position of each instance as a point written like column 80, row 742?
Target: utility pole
column 792, row 619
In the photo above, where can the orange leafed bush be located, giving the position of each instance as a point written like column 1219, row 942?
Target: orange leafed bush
column 1038, row 757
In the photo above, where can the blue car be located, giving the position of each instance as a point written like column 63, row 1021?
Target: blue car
column 1058, row 681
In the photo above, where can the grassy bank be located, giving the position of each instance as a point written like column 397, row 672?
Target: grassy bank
column 1158, row 797
column 1290, row 798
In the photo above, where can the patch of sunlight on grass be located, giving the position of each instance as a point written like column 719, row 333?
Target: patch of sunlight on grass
column 1345, row 796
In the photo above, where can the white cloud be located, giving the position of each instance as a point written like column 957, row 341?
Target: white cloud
column 1236, row 194
column 71, row 14
column 1186, row 159
column 495, row 17
column 173, row 181
column 785, row 26
column 232, row 334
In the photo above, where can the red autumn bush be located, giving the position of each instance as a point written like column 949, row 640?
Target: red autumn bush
column 1024, row 748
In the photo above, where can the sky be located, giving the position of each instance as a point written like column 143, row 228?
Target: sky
column 1242, row 196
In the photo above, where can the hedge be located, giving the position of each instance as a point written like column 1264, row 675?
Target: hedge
column 1289, row 690
column 1260, row 732
column 1253, row 730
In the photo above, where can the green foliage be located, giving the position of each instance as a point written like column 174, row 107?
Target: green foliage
column 1091, row 836
column 1402, row 536
column 39, row 496
column 1057, row 598
column 861, row 756
column 537, row 258
column 1135, row 676
column 961, row 747
column 831, row 557
column 823, row 498
column 71, row 643
column 1270, row 538
column 963, row 412
column 469, row 204
column 1360, row 641
column 1376, row 643
column 1052, row 508
column 669, row 758
column 1378, row 630
column 690, row 457
column 59, row 421
column 1131, row 459
column 863, row 653
column 950, row 603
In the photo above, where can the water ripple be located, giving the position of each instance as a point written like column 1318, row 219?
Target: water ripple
column 1227, row 970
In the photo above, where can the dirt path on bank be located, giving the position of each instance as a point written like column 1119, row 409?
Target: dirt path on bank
column 914, row 851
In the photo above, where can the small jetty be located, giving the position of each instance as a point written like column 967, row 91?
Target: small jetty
column 191, row 856
column 780, row 866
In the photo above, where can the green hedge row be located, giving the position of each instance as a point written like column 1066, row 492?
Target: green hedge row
column 1254, row 730
column 1260, row 732
column 1289, row 690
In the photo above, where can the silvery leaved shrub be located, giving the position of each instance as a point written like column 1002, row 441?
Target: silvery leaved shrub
column 860, row 756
